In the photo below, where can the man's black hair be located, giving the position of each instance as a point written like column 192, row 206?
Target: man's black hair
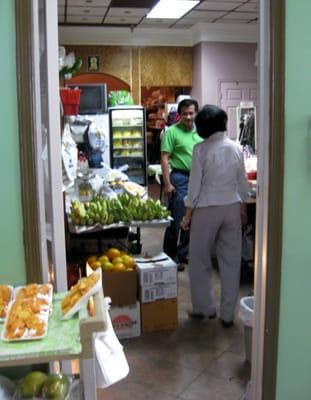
column 187, row 103
column 209, row 120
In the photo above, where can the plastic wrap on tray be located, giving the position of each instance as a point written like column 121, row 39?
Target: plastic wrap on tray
column 27, row 320
column 79, row 294
column 28, row 315
column 6, row 296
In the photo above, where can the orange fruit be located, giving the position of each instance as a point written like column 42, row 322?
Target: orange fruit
column 129, row 269
column 112, row 253
column 95, row 264
column 91, row 259
column 119, row 267
column 103, row 259
column 128, row 261
column 107, row 266
column 123, row 253
column 117, row 260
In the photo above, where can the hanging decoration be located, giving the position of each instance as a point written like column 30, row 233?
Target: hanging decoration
column 68, row 65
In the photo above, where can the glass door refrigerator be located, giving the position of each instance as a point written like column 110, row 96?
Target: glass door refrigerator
column 128, row 141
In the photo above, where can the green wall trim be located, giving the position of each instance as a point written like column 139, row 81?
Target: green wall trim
column 12, row 264
column 294, row 357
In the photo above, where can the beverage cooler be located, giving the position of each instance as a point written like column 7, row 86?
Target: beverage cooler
column 128, row 141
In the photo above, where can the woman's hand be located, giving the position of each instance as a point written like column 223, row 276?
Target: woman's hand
column 185, row 223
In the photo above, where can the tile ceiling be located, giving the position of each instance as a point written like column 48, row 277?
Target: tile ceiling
column 132, row 13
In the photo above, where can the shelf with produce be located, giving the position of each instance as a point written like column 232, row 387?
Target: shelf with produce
column 131, row 156
column 127, row 126
column 76, row 334
column 126, row 137
column 127, row 148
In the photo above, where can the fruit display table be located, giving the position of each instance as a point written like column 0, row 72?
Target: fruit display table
column 65, row 340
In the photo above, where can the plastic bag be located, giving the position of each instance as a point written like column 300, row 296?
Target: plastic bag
column 96, row 138
column 111, row 364
column 120, row 98
column 246, row 311
column 69, row 158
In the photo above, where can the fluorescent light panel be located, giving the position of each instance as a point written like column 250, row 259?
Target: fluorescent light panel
column 171, row 9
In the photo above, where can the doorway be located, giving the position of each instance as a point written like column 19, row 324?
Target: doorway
column 231, row 94
column 266, row 199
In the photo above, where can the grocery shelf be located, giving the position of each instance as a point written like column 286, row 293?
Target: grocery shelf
column 127, row 126
column 126, row 148
column 141, row 156
column 127, row 137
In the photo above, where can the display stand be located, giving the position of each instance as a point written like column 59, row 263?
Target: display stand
column 66, row 340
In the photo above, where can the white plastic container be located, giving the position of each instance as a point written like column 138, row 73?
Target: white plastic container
column 246, row 314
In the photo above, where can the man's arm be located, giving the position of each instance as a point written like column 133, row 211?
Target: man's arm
column 168, row 187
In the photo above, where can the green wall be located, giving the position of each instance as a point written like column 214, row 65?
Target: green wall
column 12, row 261
column 294, row 359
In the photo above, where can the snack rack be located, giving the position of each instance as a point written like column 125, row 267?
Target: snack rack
column 66, row 340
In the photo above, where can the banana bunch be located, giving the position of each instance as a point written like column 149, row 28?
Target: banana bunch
column 125, row 208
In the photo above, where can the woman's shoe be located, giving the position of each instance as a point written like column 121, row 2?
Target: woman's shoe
column 226, row 324
column 200, row 316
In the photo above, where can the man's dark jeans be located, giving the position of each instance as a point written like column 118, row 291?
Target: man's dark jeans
column 177, row 251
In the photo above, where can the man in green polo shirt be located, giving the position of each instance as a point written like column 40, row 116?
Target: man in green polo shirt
column 176, row 156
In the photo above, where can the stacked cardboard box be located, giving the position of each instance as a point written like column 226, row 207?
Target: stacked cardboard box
column 121, row 287
column 157, row 278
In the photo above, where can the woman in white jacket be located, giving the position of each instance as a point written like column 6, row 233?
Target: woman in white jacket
column 215, row 204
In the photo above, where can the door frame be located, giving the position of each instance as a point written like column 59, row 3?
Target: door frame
column 269, row 216
column 30, row 137
column 270, row 180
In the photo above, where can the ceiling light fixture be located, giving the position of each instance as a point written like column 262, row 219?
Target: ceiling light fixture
column 171, row 9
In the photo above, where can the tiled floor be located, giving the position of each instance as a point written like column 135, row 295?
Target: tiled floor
column 200, row 360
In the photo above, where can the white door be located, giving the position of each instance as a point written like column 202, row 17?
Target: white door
column 231, row 93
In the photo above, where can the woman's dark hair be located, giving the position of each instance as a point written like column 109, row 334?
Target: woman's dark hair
column 187, row 103
column 209, row 120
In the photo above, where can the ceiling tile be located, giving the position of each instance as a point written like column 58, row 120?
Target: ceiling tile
column 86, row 11
column 133, row 3
column 122, row 20
column 180, row 25
column 219, row 5
column 84, row 20
column 203, row 15
column 89, row 3
column 232, row 21
column 248, row 7
column 61, row 2
column 127, row 12
column 240, row 15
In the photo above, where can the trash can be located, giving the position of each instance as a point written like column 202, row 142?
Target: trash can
column 246, row 314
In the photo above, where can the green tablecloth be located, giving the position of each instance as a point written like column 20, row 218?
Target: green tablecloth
column 63, row 337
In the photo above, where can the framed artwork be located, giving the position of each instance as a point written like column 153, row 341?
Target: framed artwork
column 93, row 63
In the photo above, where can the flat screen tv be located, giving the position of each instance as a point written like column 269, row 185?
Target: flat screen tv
column 93, row 98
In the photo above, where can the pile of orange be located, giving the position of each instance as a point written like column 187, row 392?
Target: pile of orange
column 114, row 260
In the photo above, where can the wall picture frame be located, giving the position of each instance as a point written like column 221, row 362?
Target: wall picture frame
column 93, row 63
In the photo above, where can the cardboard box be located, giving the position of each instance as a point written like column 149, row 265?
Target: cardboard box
column 157, row 292
column 126, row 320
column 121, row 287
column 159, row 315
column 156, row 269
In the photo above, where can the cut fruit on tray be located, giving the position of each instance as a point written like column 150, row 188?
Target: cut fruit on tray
column 134, row 189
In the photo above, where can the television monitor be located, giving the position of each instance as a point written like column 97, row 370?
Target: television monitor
column 93, row 99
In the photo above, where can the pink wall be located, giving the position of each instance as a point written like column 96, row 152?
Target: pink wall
column 215, row 61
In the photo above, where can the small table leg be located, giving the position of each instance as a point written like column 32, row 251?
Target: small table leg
column 88, row 376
